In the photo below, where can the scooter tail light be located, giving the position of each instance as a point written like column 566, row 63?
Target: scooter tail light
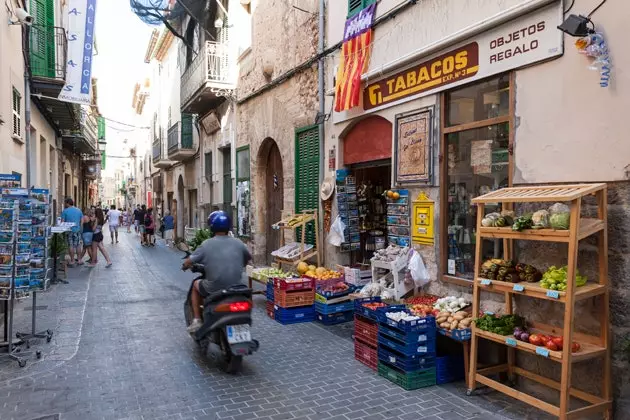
column 234, row 307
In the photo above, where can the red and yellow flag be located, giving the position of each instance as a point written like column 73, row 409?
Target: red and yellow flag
column 355, row 59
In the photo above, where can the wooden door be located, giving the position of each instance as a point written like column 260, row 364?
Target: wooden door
column 274, row 198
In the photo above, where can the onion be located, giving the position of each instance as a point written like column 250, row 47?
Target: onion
column 525, row 337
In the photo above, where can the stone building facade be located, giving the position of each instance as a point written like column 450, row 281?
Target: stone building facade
column 270, row 108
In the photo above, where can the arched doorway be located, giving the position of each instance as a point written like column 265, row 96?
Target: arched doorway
column 271, row 168
column 180, row 207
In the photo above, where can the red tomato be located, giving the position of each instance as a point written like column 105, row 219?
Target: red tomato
column 536, row 340
column 551, row 345
column 575, row 347
column 558, row 342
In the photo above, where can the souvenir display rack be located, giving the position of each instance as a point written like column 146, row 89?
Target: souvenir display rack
column 591, row 346
column 348, row 208
column 398, row 226
column 304, row 251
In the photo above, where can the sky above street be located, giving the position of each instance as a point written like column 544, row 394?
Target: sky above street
column 121, row 40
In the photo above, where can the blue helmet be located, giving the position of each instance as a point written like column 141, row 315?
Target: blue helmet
column 212, row 216
column 220, row 223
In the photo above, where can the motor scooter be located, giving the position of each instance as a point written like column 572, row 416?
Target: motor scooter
column 227, row 317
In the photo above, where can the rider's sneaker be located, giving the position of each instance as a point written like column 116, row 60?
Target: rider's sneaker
column 194, row 326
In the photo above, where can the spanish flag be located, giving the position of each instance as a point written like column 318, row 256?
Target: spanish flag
column 355, row 59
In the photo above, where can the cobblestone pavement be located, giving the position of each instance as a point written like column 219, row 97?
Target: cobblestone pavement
column 120, row 351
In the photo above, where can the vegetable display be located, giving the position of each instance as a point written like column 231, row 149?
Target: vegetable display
column 502, row 325
column 274, row 273
column 450, row 304
column 497, row 269
column 540, row 219
column 551, row 342
column 453, row 321
column 556, row 278
column 528, row 273
column 401, row 316
column 503, row 219
column 522, row 222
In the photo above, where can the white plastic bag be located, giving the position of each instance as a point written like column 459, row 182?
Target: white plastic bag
column 418, row 271
column 335, row 236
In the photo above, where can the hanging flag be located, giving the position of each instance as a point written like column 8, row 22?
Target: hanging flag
column 78, row 85
column 355, row 58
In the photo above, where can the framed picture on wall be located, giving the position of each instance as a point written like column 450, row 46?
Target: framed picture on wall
column 413, row 151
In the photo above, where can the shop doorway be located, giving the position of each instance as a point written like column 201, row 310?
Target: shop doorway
column 274, row 193
column 192, row 208
column 180, row 207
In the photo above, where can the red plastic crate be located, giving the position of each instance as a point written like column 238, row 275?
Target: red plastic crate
column 366, row 330
column 291, row 299
column 270, row 309
column 293, row 284
column 366, row 354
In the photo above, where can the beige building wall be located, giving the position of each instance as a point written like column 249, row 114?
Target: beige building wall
column 273, row 116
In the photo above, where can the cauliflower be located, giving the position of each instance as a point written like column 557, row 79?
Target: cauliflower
column 541, row 218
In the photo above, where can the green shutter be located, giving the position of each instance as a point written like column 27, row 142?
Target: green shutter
column 187, row 131
column 42, row 38
column 103, row 156
column 101, row 128
column 307, row 175
column 355, row 6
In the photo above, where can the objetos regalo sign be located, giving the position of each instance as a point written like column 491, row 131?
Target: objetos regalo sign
column 81, row 14
column 514, row 44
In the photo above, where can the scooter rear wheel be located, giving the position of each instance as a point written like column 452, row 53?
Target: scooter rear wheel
column 230, row 362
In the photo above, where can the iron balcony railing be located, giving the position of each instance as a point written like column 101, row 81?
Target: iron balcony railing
column 212, row 65
column 48, row 52
column 157, row 149
column 180, row 134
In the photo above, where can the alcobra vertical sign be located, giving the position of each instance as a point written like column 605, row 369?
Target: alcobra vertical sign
column 80, row 36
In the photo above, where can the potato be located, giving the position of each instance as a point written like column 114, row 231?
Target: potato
column 465, row 323
column 445, row 325
column 462, row 313
column 441, row 319
column 450, row 319
column 454, row 324
column 459, row 317
column 444, row 313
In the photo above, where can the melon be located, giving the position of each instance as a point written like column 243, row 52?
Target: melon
column 302, row 267
column 310, row 273
column 320, row 271
column 312, row 268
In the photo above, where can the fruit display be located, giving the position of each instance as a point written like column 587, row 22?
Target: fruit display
column 334, row 289
column 422, row 309
column 393, row 195
column 423, row 299
column 273, row 273
column 551, row 342
column 556, row 278
column 374, row 305
column 391, row 253
column 502, row 325
column 322, row 273
column 453, row 321
column 450, row 304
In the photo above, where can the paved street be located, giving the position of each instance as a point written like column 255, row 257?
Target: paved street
column 120, row 351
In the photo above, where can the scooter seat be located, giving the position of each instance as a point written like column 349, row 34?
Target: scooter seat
column 240, row 290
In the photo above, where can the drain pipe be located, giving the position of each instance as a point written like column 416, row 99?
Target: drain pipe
column 321, row 92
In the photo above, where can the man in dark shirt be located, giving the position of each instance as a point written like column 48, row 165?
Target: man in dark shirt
column 143, row 234
column 136, row 218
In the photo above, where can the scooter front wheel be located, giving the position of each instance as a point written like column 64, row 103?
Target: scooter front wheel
column 230, row 362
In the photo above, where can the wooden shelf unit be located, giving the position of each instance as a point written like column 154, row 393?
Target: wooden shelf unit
column 591, row 346
column 307, row 217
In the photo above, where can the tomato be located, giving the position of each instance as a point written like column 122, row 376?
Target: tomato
column 558, row 341
column 575, row 347
column 536, row 340
column 551, row 345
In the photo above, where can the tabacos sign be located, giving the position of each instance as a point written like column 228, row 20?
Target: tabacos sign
column 515, row 44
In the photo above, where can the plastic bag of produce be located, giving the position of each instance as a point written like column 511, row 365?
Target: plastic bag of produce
column 418, row 270
column 335, row 236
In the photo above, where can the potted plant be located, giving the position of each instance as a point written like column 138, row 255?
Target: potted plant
column 59, row 246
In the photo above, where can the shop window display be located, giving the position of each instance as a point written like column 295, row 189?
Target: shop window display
column 477, row 163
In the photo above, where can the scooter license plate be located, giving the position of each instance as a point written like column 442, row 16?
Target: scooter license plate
column 238, row 334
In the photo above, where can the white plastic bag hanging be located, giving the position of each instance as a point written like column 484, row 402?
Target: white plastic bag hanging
column 335, row 236
column 418, row 271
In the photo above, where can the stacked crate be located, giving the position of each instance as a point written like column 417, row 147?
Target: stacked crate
column 293, row 300
column 406, row 350
column 366, row 332
column 333, row 309
column 270, row 299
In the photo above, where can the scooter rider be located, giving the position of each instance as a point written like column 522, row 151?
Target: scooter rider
column 224, row 259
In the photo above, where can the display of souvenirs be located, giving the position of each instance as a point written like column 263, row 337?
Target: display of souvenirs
column 398, row 219
column 348, row 208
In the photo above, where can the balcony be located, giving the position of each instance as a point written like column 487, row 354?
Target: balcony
column 84, row 139
column 206, row 79
column 160, row 160
column 180, row 139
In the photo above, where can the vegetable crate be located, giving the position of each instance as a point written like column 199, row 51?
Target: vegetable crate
column 288, row 299
column 407, row 343
column 366, row 330
column 325, row 309
column 335, row 318
column 365, row 354
column 426, row 323
column 329, row 294
column 410, row 380
column 331, row 301
column 294, row 315
column 463, row 334
column 366, row 312
column 270, row 291
column 449, row 369
column 269, row 309
column 404, row 362
column 294, row 284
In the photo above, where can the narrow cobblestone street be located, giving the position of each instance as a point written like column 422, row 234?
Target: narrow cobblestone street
column 120, row 351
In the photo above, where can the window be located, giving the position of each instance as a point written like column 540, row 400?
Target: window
column 355, row 6
column 17, row 114
column 476, row 128
column 208, row 166
column 242, row 191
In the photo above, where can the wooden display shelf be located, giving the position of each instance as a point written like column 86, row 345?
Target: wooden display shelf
column 587, row 350
column 535, row 290
column 303, row 257
column 307, row 216
column 283, row 224
column 588, row 227
column 537, row 194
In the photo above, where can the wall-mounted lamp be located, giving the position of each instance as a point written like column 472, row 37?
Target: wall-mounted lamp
column 577, row 26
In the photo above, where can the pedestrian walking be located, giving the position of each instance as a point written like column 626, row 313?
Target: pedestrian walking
column 169, row 224
column 149, row 223
column 71, row 214
column 136, row 218
column 113, row 217
column 97, row 239
column 141, row 225
column 127, row 219
column 87, row 224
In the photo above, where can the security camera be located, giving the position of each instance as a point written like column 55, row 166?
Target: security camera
column 23, row 17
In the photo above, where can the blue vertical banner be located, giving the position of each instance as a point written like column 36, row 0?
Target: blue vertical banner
column 81, row 16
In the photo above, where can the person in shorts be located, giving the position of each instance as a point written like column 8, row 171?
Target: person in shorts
column 141, row 225
column 169, row 224
column 149, row 227
column 136, row 218
column 114, row 216
column 71, row 214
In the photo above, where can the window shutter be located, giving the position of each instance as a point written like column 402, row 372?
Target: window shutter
column 208, row 166
column 17, row 114
column 42, row 38
column 187, row 131
column 307, row 176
